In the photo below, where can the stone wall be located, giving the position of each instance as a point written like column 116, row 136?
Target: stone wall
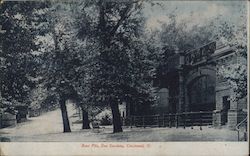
column 7, row 119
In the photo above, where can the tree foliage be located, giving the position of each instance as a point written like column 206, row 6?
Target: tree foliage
column 99, row 53
column 119, row 68
column 236, row 73
column 17, row 61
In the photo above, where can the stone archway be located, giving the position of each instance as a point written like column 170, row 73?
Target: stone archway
column 201, row 93
column 200, row 90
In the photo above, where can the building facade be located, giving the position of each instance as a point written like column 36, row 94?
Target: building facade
column 191, row 82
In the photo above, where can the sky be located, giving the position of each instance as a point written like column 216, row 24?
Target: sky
column 201, row 10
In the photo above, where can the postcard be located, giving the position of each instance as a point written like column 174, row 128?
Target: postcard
column 126, row 77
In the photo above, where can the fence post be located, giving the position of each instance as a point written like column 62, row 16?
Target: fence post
column 245, row 133
column 131, row 119
column 143, row 124
column 134, row 120
column 191, row 119
column 163, row 122
column 238, row 135
column 200, row 120
column 169, row 120
column 184, row 120
column 158, row 120
column 176, row 120
column 0, row 120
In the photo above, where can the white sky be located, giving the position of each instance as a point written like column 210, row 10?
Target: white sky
column 202, row 11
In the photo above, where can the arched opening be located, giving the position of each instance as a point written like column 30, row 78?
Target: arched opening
column 201, row 93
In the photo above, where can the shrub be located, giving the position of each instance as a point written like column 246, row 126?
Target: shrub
column 106, row 120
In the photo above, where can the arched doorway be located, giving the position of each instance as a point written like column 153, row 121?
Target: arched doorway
column 201, row 93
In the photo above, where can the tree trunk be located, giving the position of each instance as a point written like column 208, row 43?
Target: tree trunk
column 66, row 126
column 117, row 124
column 85, row 119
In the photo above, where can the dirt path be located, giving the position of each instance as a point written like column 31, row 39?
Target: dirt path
column 48, row 127
column 48, row 123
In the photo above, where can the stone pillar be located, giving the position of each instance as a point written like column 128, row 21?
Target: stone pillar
column 232, row 118
column 186, row 109
column 233, row 112
column 217, row 122
column 163, row 101
column 181, row 101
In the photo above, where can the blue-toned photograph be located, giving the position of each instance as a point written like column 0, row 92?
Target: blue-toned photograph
column 123, row 71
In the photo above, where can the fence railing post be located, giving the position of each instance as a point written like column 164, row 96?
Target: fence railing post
column 0, row 120
column 191, row 120
column 176, row 120
column 134, row 121
column 200, row 120
column 163, row 122
column 143, row 122
column 245, row 133
column 169, row 120
column 184, row 120
column 131, row 119
column 238, row 135
column 158, row 120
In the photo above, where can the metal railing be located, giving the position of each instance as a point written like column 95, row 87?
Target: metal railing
column 244, row 121
column 186, row 119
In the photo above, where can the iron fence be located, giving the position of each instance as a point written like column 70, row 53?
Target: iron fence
column 186, row 119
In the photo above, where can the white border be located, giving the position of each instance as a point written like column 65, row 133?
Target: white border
column 155, row 149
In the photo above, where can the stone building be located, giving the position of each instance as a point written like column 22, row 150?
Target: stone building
column 190, row 82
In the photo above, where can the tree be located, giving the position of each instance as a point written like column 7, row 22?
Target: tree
column 236, row 36
column 117, row 66
column 59, row 57
column 17, row 62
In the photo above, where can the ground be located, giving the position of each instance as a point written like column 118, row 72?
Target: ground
column 48, row 127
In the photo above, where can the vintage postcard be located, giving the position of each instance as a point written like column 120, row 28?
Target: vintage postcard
column 125, row 77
